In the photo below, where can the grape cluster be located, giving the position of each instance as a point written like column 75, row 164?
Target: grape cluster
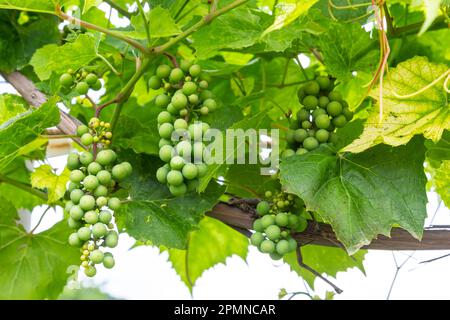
column 97, row 132
column 185, row 99
column 91, row 206
column 80, row 81
column 280, row 216
column 323, row 111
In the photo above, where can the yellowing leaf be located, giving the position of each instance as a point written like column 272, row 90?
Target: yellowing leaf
column 441, row 181
column 44, row 178
column 426, row 113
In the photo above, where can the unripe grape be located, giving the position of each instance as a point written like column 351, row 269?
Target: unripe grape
column 210, row 104
column 162, row 100
column 282, row 219
column 275, row 256
column 204, row 110
column 76, row 213
column 179, row 101
column 119, row 172
column 192, row 185
column 300, row 135
column 175, row 178
column 96, row 256
column 105, row 216
column 302, row 224
column 268, row 194
column 189, row 88
column 74, row 240
column 165, row 130
column 111, row 239
column 193, row 98
column 161, row 174
column 302, row 115
column 334, row 108
column 166, row 153
column 76, row 195
column 204, row 76
column 87, row 202
column 106, row 157
column 180, row 124
column 164, row 117
column 164, row 142
column 206, row 94
column 323, row 102
column 267, row 246
column 266, row 221
column 154, row 82
column 287, row 153
column 90, row 182
column 190, row 171
column 290, row 136
column 73, row 224
column 94, row 122
column 292, row 244
column 82, row 88
column 333, row 138
column 195, row 70
column 262, row 208
column 68, row 206
column 84, row 233
column 202, row 169
column 178, row 190
column 301, row 94
column 127, row 167
column 310, row 143
column 100, row 191
column 257, row 238
column 318, row 112
column 86, row 158
column 273, row 232
column 177, row 163
column 91, row 79
column 283, row 247
column 184, row 148
column 322, row 135
column 99, row 230
column 91, row 217
column 293, row 221
column 172, row 110
column 163, row 71
column 335, row 96
column 90, row 271
column 347, row 113
column 257, row 225
column 203, row 84
column 101, row 201
column 114, row 203
column 340, row 121
column 310, row 102
column 73, row 161
column 108, row 261
column 322, row 121
column 324, row 82
column 312, row 88
column 97, row 85
column 306, row 124
column 104, row 177
column 94, row 168
column 66, row 80
column 176, row 75
column 185, row 65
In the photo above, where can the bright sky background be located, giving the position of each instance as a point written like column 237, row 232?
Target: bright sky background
column 143, row 273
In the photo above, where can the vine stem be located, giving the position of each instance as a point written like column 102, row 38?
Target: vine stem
column 206, row 20
column 144, row 18
column 119, row 9
column 40, row 220
column 24, row 187
column 111, row 33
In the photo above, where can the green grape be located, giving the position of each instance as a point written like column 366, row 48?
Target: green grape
column 322, row 135
column 111, row 239
column 86, row 158
column 164, row 117
column 312, row 88
column 202, row 169
column 69, row 204
column 273, row 232
column 306, row 124
column 104, row 177
column 185, row 65
column 74, row 240
column 82, row 88
column 293, row 221
column 268, row 194
column 90, row 271
column 206, row 94
column 161, row 174
column 108, row 261
column 175, row 178
column 335, row 96
column 163, row 71
column 189, row 88
column 94, row 168
column 91, row 79
column 76, row 213
column 100, row 191
column 193, row 99
column 210, row 104
column 177, row 163
column 300, row 135
column 263, row 208
column 87, row 202
column 347, row 113
column 282, row 219
column 302, row 224
column 322, row 121
column 101, row 201
column 190, row 171
column 310, row 143
column 90, row 182
column 275, row 256
column 301, row 151
column 84, row 233
column 334, row 108
column 180, row 124
column 290, row 136
column 257, row 238
column 119, row 172
column 96, row 256
column 176, row 75
column 75, row 195
column 106, row 157
column 318, row 112
column 310, row 102
column 292, row 244
column 204, row 110
column 91, row 217
column 192, row 185
column 340, row 121
column 195, row 70
column 154, row 82
column 283, row 247
column 257, row 225
column 178, row 190
column 114, row 203
column 172, row 110
column 99, row 230
column 287, row 153
column 323, row 102
column 165, row 130
column 184, row 148
column 301, row 94
column 324, row 82
column 203, row 84
column 74, row 224
column 166, row 153
column 267, row 246
column 73, row 161
column 164, row 142
column 66, row 80
column 333, row 138
column 162, row 100
column 105, row 216
column 179, row 101
column 82, row 129
column 97, row 85
column 267, row 220
column 302, row 115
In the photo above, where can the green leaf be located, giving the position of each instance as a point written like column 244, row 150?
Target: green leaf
column 34, row 266
column 441, row 180
column 325, row 260
column 88, row 4
column 211, row 244
column 45, row 178
column 153, row 214
column 10, row 106
column 432, row 11
column 362, row 195
column 45, row 6
column 20, row 135
column 75, row 55
column 426, row 113
column 440, row 150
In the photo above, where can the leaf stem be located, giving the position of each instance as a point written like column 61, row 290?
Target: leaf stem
column 40, row 219
column 24, row 187
column 144, row 18
column 119, row 9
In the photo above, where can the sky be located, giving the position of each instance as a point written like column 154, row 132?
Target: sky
column 144, row 273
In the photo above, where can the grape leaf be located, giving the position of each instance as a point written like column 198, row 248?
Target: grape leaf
column 45, row 6
column 208, row 246
column 153, row 214
column 10, row 106
column 45, row 178
column 20, row 135
column 34, row 266
column 426, row 113
column 440, row 150
column 326, row 260
column 362, row 195
column 75, row 55
column 88, row 4
column 441, row 181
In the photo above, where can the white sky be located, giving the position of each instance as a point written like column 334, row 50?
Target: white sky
column 143, row 273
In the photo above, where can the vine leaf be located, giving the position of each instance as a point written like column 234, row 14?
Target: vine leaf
column 362, row 195
column 45, row 6
column 10, row 106
column 154, row 215
column 25, row 255
column 426, row 113
column 441, row 180
column 88, row 4
column 59, row 59
column 208, row 246
column 326, row 260
column 45, row 178
column 20, row 135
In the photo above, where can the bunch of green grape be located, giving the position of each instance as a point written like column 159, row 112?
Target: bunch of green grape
column 280, row 216
column 97, row 132
column 185, row 99
column 323, row 111
column 80, row 82
column 91, row 205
